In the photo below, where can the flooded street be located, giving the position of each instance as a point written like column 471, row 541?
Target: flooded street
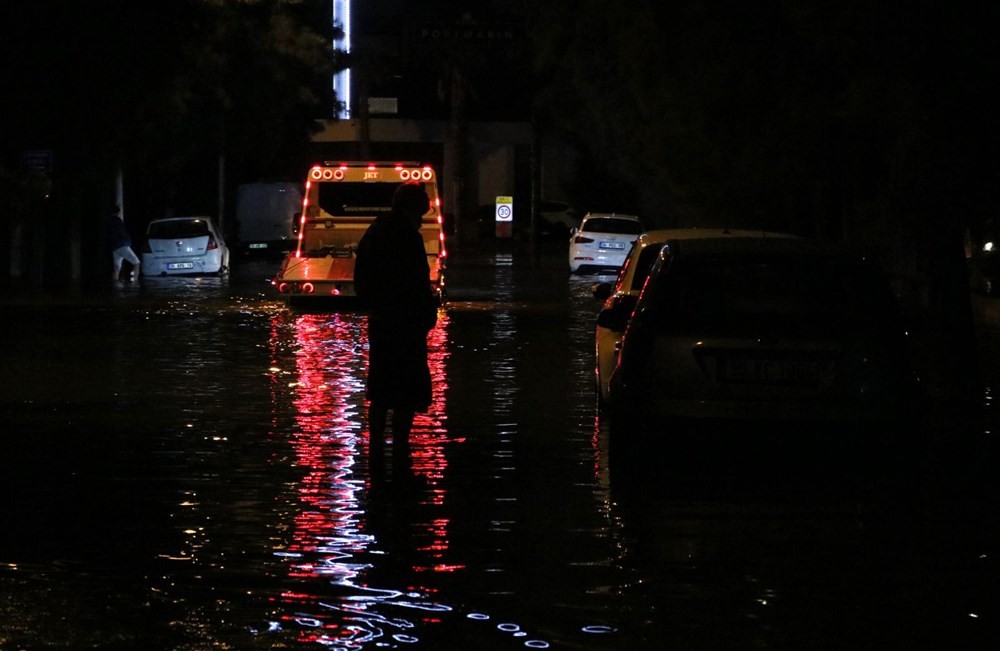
column 187, row 467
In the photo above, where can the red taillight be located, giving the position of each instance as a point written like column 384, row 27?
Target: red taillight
column 580, row 239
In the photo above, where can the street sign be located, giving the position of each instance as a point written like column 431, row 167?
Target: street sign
column 505, row 209
column 505, row 216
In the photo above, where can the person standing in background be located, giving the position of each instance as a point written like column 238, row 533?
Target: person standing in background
column 120, row 243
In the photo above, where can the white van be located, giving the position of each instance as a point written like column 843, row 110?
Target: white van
column 265, row 215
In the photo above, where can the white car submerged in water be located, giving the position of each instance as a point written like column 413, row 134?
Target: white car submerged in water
column 177, row 246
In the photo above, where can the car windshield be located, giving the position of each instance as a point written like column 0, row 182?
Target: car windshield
column 345, row 199
column 178, row 228
column 612, row 225
column 777, row 293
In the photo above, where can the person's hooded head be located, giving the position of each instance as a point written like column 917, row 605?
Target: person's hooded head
column 410, row 202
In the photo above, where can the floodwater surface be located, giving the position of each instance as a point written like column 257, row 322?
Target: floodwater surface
column 187, row 467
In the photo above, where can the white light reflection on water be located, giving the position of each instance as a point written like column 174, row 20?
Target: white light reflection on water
column 503, row 369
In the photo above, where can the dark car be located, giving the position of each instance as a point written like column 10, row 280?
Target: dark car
column 985, row 272
column 620, row 297
column 758, row 333
column 554, row 220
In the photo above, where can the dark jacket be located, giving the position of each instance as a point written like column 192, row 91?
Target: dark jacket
column 391, row 274
column 392, row 280
column 117, row 233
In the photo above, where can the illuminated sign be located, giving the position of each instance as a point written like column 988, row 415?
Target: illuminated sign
column 505, row 209
column 505, row 217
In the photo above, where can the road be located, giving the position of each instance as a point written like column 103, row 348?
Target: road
column 187, row 468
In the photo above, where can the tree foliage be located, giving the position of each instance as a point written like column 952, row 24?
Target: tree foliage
column 799, row 115
column 164, row 89
column 868, row 122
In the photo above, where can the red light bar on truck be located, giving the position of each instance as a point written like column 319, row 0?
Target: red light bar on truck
column 372, row 172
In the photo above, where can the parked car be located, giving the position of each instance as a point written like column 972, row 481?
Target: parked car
column 620, row 297
column 557, row 216
column 601, row 242
column 184, row 246
column 751, row 331
column 554, row 221
column 984, row 271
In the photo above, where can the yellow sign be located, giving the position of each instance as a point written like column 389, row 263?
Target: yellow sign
column 505, row 209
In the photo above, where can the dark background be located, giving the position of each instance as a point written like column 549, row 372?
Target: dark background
column 850, row 121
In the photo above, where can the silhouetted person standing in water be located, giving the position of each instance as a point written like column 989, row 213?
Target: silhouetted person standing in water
column 392, row 279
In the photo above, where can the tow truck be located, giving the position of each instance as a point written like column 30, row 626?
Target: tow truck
column 340, row 202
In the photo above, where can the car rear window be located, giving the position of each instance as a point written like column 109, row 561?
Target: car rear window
column 178, row 229
column 612, row 225
column 814, row 293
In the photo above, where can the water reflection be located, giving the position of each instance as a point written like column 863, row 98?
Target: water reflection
column 503, row 370
column 225, row 438
column 359, row 541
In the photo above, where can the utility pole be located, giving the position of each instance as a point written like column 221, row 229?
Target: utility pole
column 221, row 188
column 535, row 159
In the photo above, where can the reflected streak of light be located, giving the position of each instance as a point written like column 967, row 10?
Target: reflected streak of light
column 599, row 629
column 328, row 540
column 503, row 371
column 429, row 435
column 602, row 470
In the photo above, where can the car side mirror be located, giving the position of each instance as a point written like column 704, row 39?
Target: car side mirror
column 615, row 317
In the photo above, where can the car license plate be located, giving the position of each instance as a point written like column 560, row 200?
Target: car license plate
column 611, row 245
column 769, row 371
column 175, row 266
column 258, row 245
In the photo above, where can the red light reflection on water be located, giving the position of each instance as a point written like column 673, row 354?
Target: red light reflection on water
column 429, row 434
column 334, row 534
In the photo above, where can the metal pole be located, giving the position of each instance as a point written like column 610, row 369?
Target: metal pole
column 120, row 189
column 222, row 193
